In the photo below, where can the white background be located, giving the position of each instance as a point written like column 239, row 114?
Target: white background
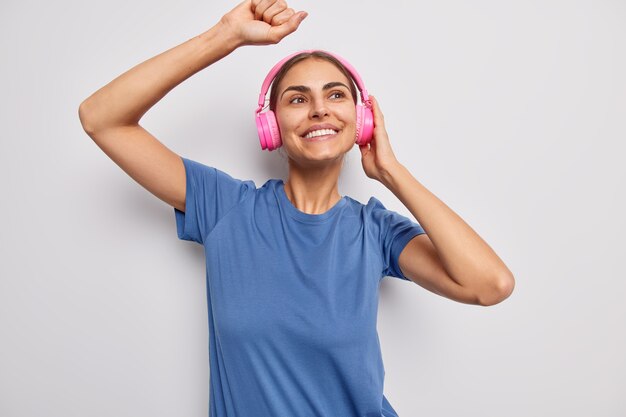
column 513, row 113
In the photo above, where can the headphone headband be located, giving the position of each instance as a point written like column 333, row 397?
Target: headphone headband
column 270, row 77
column 267, row 124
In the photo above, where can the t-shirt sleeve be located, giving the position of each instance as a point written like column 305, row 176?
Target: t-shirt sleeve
column 210, row 194
column 394, row 232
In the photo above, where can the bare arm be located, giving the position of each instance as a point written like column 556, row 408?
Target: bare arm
column 127, row 98
column 451, row 259
column 111, row 115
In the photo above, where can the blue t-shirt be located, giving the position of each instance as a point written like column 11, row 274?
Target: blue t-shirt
column 292, row 297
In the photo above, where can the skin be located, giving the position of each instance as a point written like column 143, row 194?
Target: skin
column 314, row 166
column 450, row 259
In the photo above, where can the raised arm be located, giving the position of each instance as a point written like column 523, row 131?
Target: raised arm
column 111, row 115
column 450, row 259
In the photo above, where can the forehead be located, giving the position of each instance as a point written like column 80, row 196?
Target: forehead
column 312, row 72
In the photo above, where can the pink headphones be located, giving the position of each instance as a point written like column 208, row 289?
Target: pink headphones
column 269, row 133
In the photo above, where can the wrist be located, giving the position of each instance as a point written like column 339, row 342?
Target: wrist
column 391, row 173
column 224, row 33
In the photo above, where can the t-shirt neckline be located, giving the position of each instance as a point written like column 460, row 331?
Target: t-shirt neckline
column 300, row 215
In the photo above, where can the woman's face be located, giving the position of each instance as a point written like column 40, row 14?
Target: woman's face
column 315, row 112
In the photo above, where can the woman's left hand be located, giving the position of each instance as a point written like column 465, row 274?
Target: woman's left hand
column 377, row 157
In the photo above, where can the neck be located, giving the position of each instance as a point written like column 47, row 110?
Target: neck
column 313, row 190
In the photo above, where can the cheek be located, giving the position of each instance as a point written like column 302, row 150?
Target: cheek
column 281, row 119
column 287, row 123
column 348, row 110
column 349, row 116
column 291, row 118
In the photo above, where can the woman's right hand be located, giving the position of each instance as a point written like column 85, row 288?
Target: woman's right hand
column 262, row 22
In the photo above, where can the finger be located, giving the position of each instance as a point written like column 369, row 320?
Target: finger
column 282, row 17
column 273, row 10
column 290, row 26
column 361, row 151
column 261, row 7
column 253, row 6
column 379, row 118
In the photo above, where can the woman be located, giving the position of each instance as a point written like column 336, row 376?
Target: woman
column 293, row 267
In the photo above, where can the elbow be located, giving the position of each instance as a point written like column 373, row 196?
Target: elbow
column 501, row 288
column 90, row 117
column 84, row 119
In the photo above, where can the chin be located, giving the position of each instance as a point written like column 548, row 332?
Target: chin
column 327, row 155
column 327, row 147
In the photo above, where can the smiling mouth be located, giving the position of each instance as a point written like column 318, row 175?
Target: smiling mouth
column 319, row 135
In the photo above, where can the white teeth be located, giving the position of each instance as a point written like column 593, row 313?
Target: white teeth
column 320, row 132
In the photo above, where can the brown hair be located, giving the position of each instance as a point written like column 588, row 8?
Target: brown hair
column 301, row 57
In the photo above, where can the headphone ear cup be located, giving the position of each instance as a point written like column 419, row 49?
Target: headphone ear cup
column 269, row 133
column 364, row 124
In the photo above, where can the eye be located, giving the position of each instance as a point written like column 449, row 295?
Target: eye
column 293, row 100
column 338, row 94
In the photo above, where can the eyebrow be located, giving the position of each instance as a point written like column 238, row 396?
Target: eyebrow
column 305, row 89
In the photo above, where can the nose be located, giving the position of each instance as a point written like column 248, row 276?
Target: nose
column 318, row 109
